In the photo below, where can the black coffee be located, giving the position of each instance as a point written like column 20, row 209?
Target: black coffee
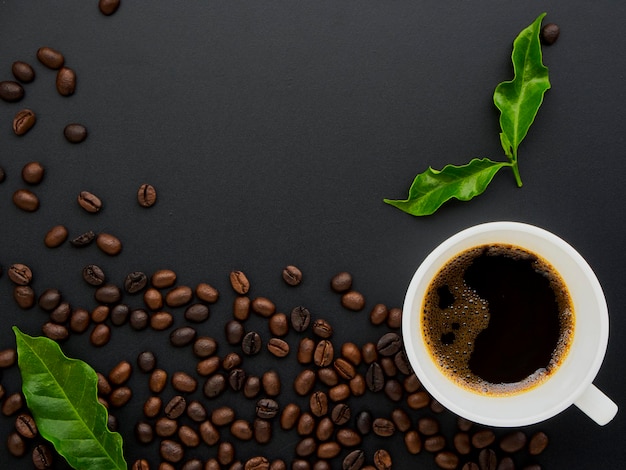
column 498, row 319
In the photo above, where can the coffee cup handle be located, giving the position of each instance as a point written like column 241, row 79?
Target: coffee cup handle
column 596, row 405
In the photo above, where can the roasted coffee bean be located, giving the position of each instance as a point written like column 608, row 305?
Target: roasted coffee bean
column 56, row 236
column 146, row 195
column 139, row 319
column 369, row 353
column 513, row 442
column 447, row 460
column 12, row 404
column 239, row 282
column 374, row 377
column 379, row 314
column 300, row 318
column 89, row 202
column 120, row 373
column 49, row 299
column 214, row 385
column 306, row 349
column 234, row 331
column 483, row 438
column 158, row 380
column 182, row 336
column 33, row 173
column 83, row 240
column 348, row 437
column 304, row 382
column 16, row 445
column 142, row 464
column 266, row 408
column 388, row 366
column 341, row 282
column 549, row 33
column 306, row 424
column 263, row 306
column 109, row 244
column 207, row 366
column 56, row 332
column 179, row 296
column 364, row 422
column 322, row 328
column 144, row 433
column 75, row 133
column 222, row 416
column 119, row 314
column 402, row 363
column 242, row 430
column 24, row 296
column 257, row 463
column 428, row 426
column 152, row 406
column 99, row 313
column 237, row 379
column 165, row 427
column 340, row 414
column 8, row 357
column 231, row 360
column 413, row 442
column 462, row 443
column 251, row 343
column 352, row 353
column 120, row 396
column 189, row 437
column 318, row 403
column 241, row 307
column 289, row 416
column 51, row 58
column 23, row 71
column 207, row 293
column 324, row 353
column 262, row 431
column 353, row 300
column 278, row 347
column 435, row 443
column 401, row 419
column 383, row 427
column 487, row 459
column 153, row 299
column 354, row 460
column 382, row 460
column 271, row 383
column 104, row 387
column 42, row 457
column 23, row 121
column 345, row 369
column 389, row 344
column 507, row 464
column 306, row 447
column 226, row 454
column 204, row 346
column 463, row 424
column 339, row 392
column 196, row 411
column 197, row 313
column 160, row 321
column 135, row 282
column 108, row 294
column 328, row 450
column 108, row 7
column 93, row 275
column 171, row 451
column 175, row 407
column 328, row 376
column 25, row 425
column 300, row 464
column 325, row 429
column 411, row 383
column 163, row 278
column 26, row 200
column 11, row 91
column 538, row 443
column 292, row 275
column 209, row 433
column 183, row 382
column 66, row 81
column 394, row 320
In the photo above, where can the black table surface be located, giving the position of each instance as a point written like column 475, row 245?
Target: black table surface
column 272, row 132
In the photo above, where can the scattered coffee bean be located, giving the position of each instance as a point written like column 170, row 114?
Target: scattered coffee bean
column 447, row 460
column 462, row 443
column 374, row 377
column 394, row 320
column 538, row 443
column 487, row 459
column 153, row 299
column 236, row 379
column 75, row 133
column 324, row 353
column 66, row 81
column 165, row 427
column 42, row 457
column 344, row 368
column 292, row 275
column 289, row 416
column 328, row 450
column 182, row 336
column 383, row 427
column 171, row 451
column 11, row 91
column 109, row 244
column 204, row 346
column 483, row 438
column 328, row 376
column 251, row 343
column 49, row 299
column 401, row 419
column 23, row 71
column 20, row 274
column 306, row 447
column 379, row 314
column 550, row 33
column 33, row 173
column 304, row 382
column 263, row 306
column 506, row 463
column 341, row 282
column 382, row 460
column 252, row 387
column 322, row 328
column 208, row 366
column 300, row 318
column 183, row 382
column 340, row 414
column 197, row 313
column 271, row 383
column 231, row 360
column 189, row 438
column 207, row 293
column 163, row 278
column 354, row 460
column 25, row 425
column 209, row 433
column 146, row 195
column 100, row 335
column 278, row 324
column 234, row 331
column 120, row 396
column 83, row 240
column 214, row 385
column 353, row 300
column 158, row 380
column 51, row 58
column 513, row 442
column 26, row 200
column 413, row 442
column 98, row 314
column 23, row 121
column 16, row 445
column 196, row 411
column 278, row 347
column 24, row 296
column 89, row 202
column 56, row 236
column 108, row 294
column 389, row 344
column 175, row 407
column 146, row 361
column 120, row 373
column 179, row 296
column 145, row 435
column 135, row 282
column 435, row 443
column 239, row 282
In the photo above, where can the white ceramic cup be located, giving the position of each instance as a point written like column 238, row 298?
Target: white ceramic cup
column 571, row 383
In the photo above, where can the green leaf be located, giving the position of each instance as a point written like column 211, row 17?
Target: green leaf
column 519, row 99
column 62, row 395
column 434, row 187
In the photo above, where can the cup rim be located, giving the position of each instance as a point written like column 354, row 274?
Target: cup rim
column 415, row 350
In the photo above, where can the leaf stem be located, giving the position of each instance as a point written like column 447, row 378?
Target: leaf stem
column 518, row 178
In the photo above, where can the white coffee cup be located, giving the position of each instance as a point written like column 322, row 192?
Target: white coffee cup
column 571, row 383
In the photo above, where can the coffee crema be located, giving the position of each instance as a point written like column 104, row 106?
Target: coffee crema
column 498, row 319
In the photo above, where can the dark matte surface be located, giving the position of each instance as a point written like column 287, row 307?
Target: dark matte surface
column 272, row 131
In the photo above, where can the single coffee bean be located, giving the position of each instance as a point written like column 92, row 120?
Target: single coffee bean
column 104, row 387
column 306, row 447
column 144, row 433
column 83, row 240
column 11, row 91
column 12, row 404
column 119, row 314
column 351, row 352
column 462, row 443
column 182, row 336
column 388, row 366
column 51, row 58
column 153, row 299
column 300, row 464
column 26, row 200
column 353, row 300
column 263, row 306
column 62, row 313
column 411, row 383
column 89, row 201
column 175, row 407
column 550, row 33
column 208, row 366
column 364, row 422
column 447, row 460
column 146, row 195
column 340, row 414
column 252, row 387
column 142, row 464
column 382, row 460
column 328, row 450
column 204, row 346
column 513, row 442
column 108, row 294
column 120, row 396
column 271, row 383
column 66, row 81
column 339, row 392
column 108, row 7
column 379, row 314
column 389, row 344
column 402, row 362
column 369, row 353
column 487, row 459
column 401, row 419
column 161, row 321
column 120, row 373
column 428, row 426
column 328, row 376
column 278, row 347
column 383, row 427
column 75, row 133
column 183, row 382
column 348, row 437
column 196, row 411
column 241, row 429
column 538, row 443
column 374, row 377
column 163, row 278
column 289, row 416
column 241, row 307
column 146, row 361
column 323, row 354
column 42, row 457
column 236, row 379
column 23, row 121
column 470, row 466
column 23, row 71
column 25, row 425
column 354, row 460
column 158, row 380
column 325, row 429
column 171, row 451
column 24, row 296
column 135, row 282
column 209, row 433
column 231, row 360
column 179, row 296
column 413, row 442
column 165, row 427
column 139, row 319
column 418, row 400
column 341, row 282
column 262, row 431
column 306, row 349
column 112, row 423
column 322, row 328
column 318, row 403
column 239, row 282
column 251, row 343
column 207, row 293
column 304, row 382
column 234, row 332
column 435, row 443
column 197, row 313
column 345, row 369
column 483, row 438
column 55, row 331
column 93, row 275
column 394, row 320
column 109, row 244
column 100, row 335
column 292, row 275
column 33, row 173
column 214, row 385
column 300, row 318
column 223, row 415
column 506, row 463
column 56, row 236
column 189, row 438
column 266, row 408
column 49, row 299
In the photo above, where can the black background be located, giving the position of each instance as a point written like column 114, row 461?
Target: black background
column 272, row 132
